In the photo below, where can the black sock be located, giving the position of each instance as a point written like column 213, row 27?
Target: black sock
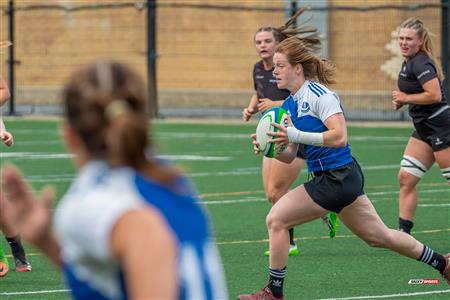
column 276, row 281
column 432, row 258
column 405, row 225
column 16, row 247
column 291, row 236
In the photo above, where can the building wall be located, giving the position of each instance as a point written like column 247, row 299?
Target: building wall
column 203, row 54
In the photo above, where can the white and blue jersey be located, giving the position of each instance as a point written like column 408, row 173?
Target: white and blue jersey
column 85, row 218
column 309, row 107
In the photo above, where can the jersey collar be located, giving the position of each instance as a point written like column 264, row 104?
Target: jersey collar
column 299, row 94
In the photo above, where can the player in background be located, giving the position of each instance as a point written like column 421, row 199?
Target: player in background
column 278, row 176
column 317, row 120
column 130, row 226
column 420, row 87
column 12, row 237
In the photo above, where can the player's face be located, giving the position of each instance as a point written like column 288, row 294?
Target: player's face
column 265, row 44
column 284, row 72
column 409, row 42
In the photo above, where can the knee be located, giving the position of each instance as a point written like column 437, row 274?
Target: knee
column 411, row 170
column 404, row 178
column 273, row 222
column 274, row 193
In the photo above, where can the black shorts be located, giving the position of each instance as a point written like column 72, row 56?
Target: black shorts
column 337, row 188
column 435, row 131
column 301, row 152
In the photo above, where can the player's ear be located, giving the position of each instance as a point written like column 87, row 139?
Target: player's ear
column 298, row 69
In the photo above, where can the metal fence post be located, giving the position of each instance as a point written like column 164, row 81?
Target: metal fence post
column 11, row 59
column 151, row 58
column 445, row 46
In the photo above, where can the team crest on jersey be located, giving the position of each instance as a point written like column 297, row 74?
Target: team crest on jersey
column 305, row 107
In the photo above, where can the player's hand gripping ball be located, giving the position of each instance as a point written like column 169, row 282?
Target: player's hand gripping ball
column 274, row 115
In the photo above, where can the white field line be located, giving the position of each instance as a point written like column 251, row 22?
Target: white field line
column 190, row 135
column 400, row 295
column 33, row 292
column 205, row 135
column 34, row 155
column 241, row 171
column 390, row 296
column 249, row 200
column 434, row 205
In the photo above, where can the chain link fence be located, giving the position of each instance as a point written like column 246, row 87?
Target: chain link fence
column 204, row 48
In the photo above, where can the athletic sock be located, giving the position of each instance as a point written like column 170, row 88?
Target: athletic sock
column 276, row 281
column 405, row 225
column 432, row 258
column 16, row 248
column 291, row 236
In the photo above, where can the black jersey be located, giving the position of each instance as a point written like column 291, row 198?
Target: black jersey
column 265, row 83
column 414, row 73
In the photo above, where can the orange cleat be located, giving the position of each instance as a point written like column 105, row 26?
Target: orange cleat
column 3, row 269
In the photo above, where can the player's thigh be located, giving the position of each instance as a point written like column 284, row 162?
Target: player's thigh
column 442, row 158
column 420, row 151
column 281, row 175
column 417, row 159
column 295, row 208
column 362, row 219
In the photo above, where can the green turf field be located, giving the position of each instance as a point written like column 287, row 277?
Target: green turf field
column 220, row 161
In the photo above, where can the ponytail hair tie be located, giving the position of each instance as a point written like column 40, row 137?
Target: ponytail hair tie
column 116, row 108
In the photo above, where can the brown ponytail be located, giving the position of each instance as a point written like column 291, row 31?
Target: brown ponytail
column 105, row 104
column 314, row 68
column 308, row 34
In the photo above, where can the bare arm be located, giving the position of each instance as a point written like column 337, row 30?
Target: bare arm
column 30, row 215
column 146, row 250
column 5, row 135
column 431, row 94
column 336, row 135
column 252, row 107
column 4, row 91
column 265, row 104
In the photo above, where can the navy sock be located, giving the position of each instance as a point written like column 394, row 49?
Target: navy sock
column 432, row 258
column 276, row 281
column 16, row 247
column 291, row 236
column 405, row 225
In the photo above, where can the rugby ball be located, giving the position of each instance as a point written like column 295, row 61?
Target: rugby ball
column 274, row 115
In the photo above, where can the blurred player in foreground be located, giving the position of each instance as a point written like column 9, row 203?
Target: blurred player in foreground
column 129, row 227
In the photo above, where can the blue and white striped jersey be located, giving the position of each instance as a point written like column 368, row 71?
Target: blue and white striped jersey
column 309, row 107
column 96, row 200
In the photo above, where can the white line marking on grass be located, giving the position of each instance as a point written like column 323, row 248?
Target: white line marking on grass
column 378, row 138
column 323, row 237
column 195, row 157
column 235, row 201
column 33, row 292
column 434, row 205
column 390, row 296
column 218, row 135
column 31, row 155
column 397, row 192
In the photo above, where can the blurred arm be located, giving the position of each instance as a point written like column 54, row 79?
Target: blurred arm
column 4, row 91
column 146, row 250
